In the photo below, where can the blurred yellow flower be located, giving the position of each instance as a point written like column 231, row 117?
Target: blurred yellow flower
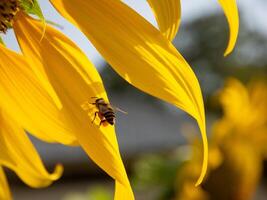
column 239, row 139
column 244, row 112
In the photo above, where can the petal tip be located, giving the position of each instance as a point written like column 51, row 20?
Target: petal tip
column 58, row 171
column 227, row 52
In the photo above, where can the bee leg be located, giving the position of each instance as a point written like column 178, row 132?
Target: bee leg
column 102, row 121
column 95, row 116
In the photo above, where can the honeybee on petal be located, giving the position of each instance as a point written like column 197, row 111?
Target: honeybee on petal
column 105, row 112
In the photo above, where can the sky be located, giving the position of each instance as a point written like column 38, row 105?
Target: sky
column 253, row 13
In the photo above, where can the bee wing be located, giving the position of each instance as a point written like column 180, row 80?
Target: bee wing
column 120, row 110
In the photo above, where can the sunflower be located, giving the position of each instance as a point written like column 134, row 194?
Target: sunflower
column 47, row 100
column 44, row 89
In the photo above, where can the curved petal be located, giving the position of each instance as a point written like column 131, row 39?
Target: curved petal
column 4, row 188
column 168, row 16
column 75, row 80
column 139, row 53
column 28, row 102
column 18, row 154
column 231, row 12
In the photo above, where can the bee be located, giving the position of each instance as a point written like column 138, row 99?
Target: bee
column 105, row 112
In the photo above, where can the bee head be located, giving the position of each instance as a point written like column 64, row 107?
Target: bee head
column 100, row 100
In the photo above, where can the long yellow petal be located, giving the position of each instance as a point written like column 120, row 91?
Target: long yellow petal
column 4, row 188
column 28, row 102
column 18, row 154
column 140, row 54
column 168, row 16
column 231, row 12
column 75, row 81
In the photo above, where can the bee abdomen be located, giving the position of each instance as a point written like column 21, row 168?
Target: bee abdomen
column 109, row 116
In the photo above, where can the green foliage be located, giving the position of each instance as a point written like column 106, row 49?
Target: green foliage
column 33, row 7
column 97, row 192
column 159, row 172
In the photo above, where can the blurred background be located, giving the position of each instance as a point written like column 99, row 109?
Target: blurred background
column 161, row 145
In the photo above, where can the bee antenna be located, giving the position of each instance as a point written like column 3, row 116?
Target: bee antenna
column 94, row 97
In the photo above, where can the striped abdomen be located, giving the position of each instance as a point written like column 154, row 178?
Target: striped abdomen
column 109, row 116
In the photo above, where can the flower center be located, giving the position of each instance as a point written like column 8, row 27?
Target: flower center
column 8, row 10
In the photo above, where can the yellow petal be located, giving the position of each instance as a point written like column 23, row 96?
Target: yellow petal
column 140, row 54
column 18, row 154
column 75, row 81
column 4, row 188
column 168, row 16
column 231, row 12
column 27, row 101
